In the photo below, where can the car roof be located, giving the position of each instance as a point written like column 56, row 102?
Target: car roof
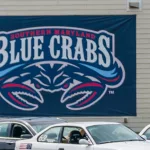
column 86, row 124
column 32, row 119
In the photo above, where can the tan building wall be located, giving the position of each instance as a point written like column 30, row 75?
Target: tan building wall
column 100, row 7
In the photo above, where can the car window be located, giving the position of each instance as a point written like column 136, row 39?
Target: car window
column 72, row 135
column 4, row 129
column 19, row 130
column 50, row 136
column 67, row 130
column 147, row 134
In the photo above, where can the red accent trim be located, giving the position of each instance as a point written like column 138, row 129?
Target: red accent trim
column 9, row 85
column 86, row 101
column 13, row 98
column 110, row 80
column 91, row 84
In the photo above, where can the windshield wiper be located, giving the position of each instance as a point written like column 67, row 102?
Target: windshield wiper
column 106, row 142
column 119, row 141
column 133, row 140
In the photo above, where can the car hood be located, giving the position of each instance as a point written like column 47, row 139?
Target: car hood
column 136, row 145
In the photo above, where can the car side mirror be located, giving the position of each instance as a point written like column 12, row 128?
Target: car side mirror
column 26, row 136
column 144, row 137
column 84, row 142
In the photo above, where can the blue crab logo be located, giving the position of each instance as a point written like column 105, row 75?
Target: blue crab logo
column 82, row 65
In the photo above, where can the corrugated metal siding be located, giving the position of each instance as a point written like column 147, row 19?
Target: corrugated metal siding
column 100, row 7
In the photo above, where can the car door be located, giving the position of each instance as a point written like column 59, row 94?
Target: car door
column 48, row 140
column 66, row 142
column 16, row 131
column 5, row 139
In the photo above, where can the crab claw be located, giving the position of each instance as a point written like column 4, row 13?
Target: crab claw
column 83, row 95
column 21, row 96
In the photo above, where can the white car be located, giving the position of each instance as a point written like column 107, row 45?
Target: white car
column 146, row 132
column 85, row 136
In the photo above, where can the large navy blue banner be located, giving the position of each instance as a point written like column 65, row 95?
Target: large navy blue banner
column 68, row 65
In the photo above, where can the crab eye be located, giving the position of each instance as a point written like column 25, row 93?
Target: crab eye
column 62, row 80
column 40, row 81
column 66, row 86
column 37, row 86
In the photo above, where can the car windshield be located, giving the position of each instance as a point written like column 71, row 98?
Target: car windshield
column 39, row 126
column 109, row 133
